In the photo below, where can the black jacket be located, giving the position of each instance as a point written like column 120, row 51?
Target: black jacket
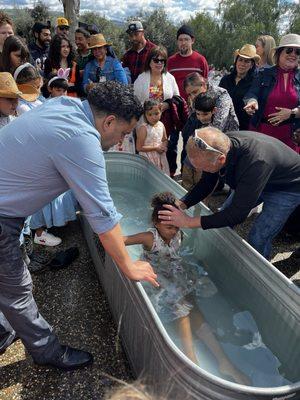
column 255, row 163
column 237, row 92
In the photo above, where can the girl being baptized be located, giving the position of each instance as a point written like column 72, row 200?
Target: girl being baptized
column 179, row 284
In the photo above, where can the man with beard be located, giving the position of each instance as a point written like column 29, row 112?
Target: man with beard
column 83, row 52
column 40, row 47
column 134, row 59
column 186, row 60
column 64, row 140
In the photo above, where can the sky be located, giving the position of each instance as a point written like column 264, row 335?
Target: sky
column 178, row 10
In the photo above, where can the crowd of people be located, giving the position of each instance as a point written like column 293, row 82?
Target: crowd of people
column 57, row 103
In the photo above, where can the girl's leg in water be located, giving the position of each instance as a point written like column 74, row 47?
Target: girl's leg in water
column 184, row 326
column 205, row 334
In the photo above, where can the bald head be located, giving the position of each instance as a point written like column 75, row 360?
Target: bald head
column 212, row 136
column 208, row 160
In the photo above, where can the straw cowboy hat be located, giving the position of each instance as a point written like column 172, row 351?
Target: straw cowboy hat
column 290, row 40
column 9, row 88
column 97, row 40
column 247, row 51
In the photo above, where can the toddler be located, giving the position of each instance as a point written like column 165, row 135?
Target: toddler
column 58, row 83
column 151, row 141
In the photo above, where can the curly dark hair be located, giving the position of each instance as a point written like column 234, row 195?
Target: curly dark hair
column 13, row 43
column 113, row 97
column 157, row 202
column 54, row 56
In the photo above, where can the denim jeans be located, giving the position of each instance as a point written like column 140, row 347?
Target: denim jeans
column 276, row 209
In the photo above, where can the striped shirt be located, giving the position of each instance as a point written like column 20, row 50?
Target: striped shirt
column 181, row 66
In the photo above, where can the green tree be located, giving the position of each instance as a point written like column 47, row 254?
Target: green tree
column 40, row 13
column 207, row 36
column 295, row 20
column 241, row 21
column 23, row 22
column 109, row 29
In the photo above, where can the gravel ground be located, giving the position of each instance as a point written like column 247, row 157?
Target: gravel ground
column 74, row 303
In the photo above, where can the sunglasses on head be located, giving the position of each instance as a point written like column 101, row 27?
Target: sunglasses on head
column 158, row 60
column 289, row 50
column 201, row 144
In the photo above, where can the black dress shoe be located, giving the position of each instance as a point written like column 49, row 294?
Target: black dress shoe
column 69, row 359
column 6, row 340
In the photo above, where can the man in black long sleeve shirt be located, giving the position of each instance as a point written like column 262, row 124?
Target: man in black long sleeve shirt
column 258, row 168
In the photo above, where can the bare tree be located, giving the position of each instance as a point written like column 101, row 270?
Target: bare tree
column 71, row 11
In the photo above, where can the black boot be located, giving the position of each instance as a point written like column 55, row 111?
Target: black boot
column 69, row 359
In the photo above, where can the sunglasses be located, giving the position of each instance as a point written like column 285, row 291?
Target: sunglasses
column 158, row 60
column 201, row 144
column 289, row 50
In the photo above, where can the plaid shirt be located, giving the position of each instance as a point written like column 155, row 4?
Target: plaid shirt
column 135, row 61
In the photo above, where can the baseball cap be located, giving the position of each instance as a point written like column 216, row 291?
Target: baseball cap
column 135, row 26
column 61, row 21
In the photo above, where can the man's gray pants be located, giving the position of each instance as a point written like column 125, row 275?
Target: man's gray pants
column 18, row 310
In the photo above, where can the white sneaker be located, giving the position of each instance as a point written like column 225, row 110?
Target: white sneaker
column 47, row 239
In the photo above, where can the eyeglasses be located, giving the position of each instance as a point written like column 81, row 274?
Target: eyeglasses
column 158, row 60
column 290, row 50
column 203, row 145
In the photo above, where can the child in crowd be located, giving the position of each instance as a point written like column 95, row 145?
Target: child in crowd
column 61, row 55
column 14, row 54
column 178, row 285
column 205, row 108
column 58, row 83
column 63, row 208
column 152, row 141
column 9, row 98
column 29, row 82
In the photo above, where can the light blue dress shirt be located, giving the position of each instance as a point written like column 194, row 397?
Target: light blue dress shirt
column 48, row 150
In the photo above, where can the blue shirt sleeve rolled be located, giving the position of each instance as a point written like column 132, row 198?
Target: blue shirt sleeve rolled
column 81, row 163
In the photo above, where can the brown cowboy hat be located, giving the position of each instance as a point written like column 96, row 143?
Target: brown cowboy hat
column 97, row 40
column 29, row 92
column 247, row 51
column 9, row 88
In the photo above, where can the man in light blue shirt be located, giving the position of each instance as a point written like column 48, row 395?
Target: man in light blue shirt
column 43, row 153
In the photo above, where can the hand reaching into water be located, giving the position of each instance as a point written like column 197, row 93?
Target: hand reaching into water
column 142, row 271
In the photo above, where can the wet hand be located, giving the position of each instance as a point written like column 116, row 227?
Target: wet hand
column 173, row 216
column 282, row 115
column 142, row 271
column 251, row 107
